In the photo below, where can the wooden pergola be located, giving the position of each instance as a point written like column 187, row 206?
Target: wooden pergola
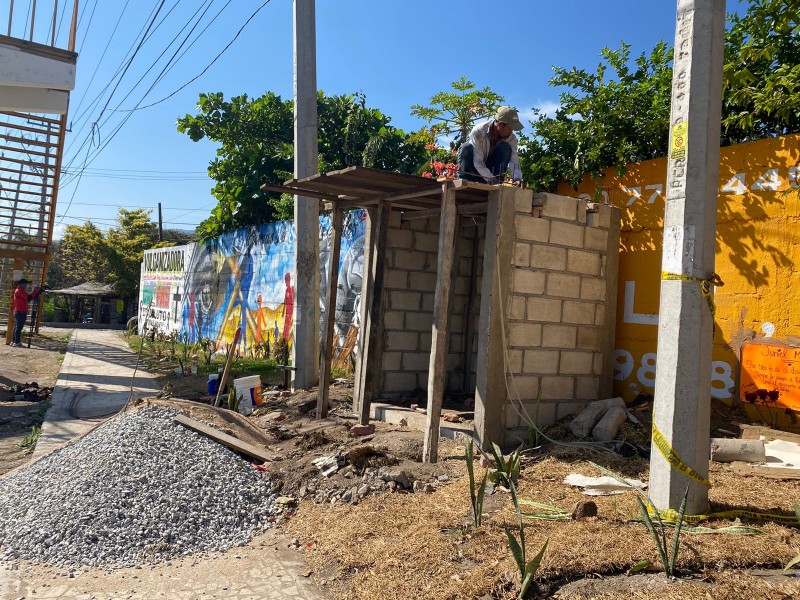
column 380, row 192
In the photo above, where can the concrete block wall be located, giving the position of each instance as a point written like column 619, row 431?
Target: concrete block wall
column 409, row 291
column 560, row 304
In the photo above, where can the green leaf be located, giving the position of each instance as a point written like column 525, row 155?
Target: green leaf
column 640, row 566
column 517, row 552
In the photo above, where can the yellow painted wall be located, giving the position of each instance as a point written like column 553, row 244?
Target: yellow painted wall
column 757, row 250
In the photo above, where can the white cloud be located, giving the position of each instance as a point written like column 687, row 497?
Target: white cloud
column 545, row 107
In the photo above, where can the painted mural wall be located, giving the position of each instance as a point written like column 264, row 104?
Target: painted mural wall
column 246, row 278
column 757, row 250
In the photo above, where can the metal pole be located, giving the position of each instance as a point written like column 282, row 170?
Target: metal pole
column 160, row 225
column 33, row 18
column 55, row 23
column 10, row 17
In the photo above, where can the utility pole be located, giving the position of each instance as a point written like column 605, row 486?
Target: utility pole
column 160, row 225
column 305, row 348
column 681, row 416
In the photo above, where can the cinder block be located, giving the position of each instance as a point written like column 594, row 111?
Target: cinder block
column 525, row 334
column 559, row 336
column 426, row 242
column 419, row 321
column 565, row 409
column 398, row 238
column 428, row 301
column 603, row 266
column 563, row 284
column 395, row 219
column 548, row 257
column 523, row 201
column 393, row 319
column 433, row 225
column 395, row 279
column 517, row 309
column 590, row 338
column 596, row 239
column 587, row 388
column 560, row 207
column 581, row 212
column 542, row 413
column 419, row 224
column 593, row 289
column 406, row 259
column 597, row 363
column 522, row 254
column 461, row 286
column 542, row 362
column 604, row 213
column 456, row 342
column 526, row 387
column 453, row 362
column 526, row 281
column 463, row 247
column 456, row 323
column 404, row 300
column 425, row 341
column 399, row 382
column 600, row 315
column 566, row 234
column 402, row 340
column 515, row 361
column 391, row 361
column 582, row 313
column 558, row 388
column 576, row 363
column 424, row 282
column 416, row 361
column 580, row 261
column 511, row 417
column 544, row 309
column 531, row 228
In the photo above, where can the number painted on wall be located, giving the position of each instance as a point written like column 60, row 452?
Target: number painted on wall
column 722, row 383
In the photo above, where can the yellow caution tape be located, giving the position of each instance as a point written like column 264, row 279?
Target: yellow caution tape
column 706, row 284
column 672, row 457
column 671, row 516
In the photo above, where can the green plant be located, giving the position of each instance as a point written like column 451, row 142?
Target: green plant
column 207, row 349
column 28, row 443
column 234, row 400
column 527, row 569
column 280, row 351
column 476, row 495
column 506, row 471
column 796, row 559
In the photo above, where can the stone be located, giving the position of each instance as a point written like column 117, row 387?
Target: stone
column 421, row 486
column 606, row 430
column 359, row 430
column 583, row 510
column 273, row 417
column 586, row 420
column 398, row 476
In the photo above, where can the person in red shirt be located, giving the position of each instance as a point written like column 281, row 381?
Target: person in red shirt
column 21, row 300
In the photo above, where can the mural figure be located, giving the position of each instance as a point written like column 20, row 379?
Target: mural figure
column 288, row 306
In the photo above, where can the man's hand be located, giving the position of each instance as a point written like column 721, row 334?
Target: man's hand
column 516, row 182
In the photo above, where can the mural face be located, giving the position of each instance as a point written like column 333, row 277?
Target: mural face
column 246, row 279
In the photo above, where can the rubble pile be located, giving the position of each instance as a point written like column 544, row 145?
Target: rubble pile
column 137, row 489
column 27, row 392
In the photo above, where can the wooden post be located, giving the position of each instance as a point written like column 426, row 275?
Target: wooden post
column 373, row 330
column 363, row 312
column 437, row 373
column 326, row 352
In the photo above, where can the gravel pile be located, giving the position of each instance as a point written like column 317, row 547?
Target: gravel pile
column 137, row 489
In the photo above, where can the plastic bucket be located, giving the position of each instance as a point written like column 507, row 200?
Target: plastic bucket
column 249, row 388
column 213, row 384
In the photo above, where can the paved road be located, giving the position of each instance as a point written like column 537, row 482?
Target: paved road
column 95, row 380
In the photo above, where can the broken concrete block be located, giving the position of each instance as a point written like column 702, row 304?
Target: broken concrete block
column 583, row 424
column 360, row 430
column 583, row 510
column 729, row 450
column 606, row 430
column 396, row 475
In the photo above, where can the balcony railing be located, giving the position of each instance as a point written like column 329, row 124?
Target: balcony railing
column 43, row 22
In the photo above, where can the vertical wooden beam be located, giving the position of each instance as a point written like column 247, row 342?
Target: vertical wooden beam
column 469, row 328
column 437, row 372
column 326, row 352
column 366, row 295
column 371, row 371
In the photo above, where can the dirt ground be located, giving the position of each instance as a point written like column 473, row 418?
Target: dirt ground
column 40, row 364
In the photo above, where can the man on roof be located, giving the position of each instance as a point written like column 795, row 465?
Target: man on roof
column 492, row 149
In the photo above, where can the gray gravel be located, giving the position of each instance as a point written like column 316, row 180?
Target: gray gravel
column 137, row 489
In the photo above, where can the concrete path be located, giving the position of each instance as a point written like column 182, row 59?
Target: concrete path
column 94, row 382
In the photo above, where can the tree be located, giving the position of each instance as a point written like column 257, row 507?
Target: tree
column 81, row 256
column 256, row 147
column 126, row 243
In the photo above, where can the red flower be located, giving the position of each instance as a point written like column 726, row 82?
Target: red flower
column 427, row 175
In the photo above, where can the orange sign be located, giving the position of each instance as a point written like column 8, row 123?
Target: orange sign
column 771, row 375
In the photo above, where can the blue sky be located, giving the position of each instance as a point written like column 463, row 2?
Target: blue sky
column 398, row 53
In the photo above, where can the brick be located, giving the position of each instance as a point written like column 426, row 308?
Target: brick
column 398, row 238
column 404, row 300
column 512, row 419
column 600, row 315
column 582, row 313
column 581, row 212
column 425, row 341
column 604, row 212
column 593, row 289
column 558, row 388
column 416, row 361
column 543, row 362
column 402, row 340
column 361, row 430
column 560, row 207
column 590, row 338
column 425, row 282
column 597, row 363
column 392, row 361
column 405, row 259
column 543, row 413
column 586, row 263
column 527, row 386
column 548, row 257
column 559, row 336
column 515, row 361
column 393, row 319
column 523, row 201
column 428, row 301
column 576, row 363
column 587, row 388
column 526, row 281
column 394, row 220
column 426, row 242
column 395, row 279
column 522, row 254
column 596, row 239
column 399, row 382
column 419, row 321
column 531, row 228
column 525, row 334
column 566, row 234
column 517, row 310
column 563, row 284
column 544, row 309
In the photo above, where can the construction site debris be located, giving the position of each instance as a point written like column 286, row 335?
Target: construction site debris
column 223, row 438
column 608, row 426
column 602, row 486
column 729, row 450
column 137, row 489
column 583, row 510
column 327, row 465
column 583, row 424
column 362, row 430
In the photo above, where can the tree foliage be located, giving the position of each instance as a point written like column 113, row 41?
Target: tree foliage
column 255, row 138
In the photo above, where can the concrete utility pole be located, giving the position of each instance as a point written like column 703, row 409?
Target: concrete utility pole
column 306, row 210
column 685, row 331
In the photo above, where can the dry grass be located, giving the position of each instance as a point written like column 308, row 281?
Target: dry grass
column 421, row 545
